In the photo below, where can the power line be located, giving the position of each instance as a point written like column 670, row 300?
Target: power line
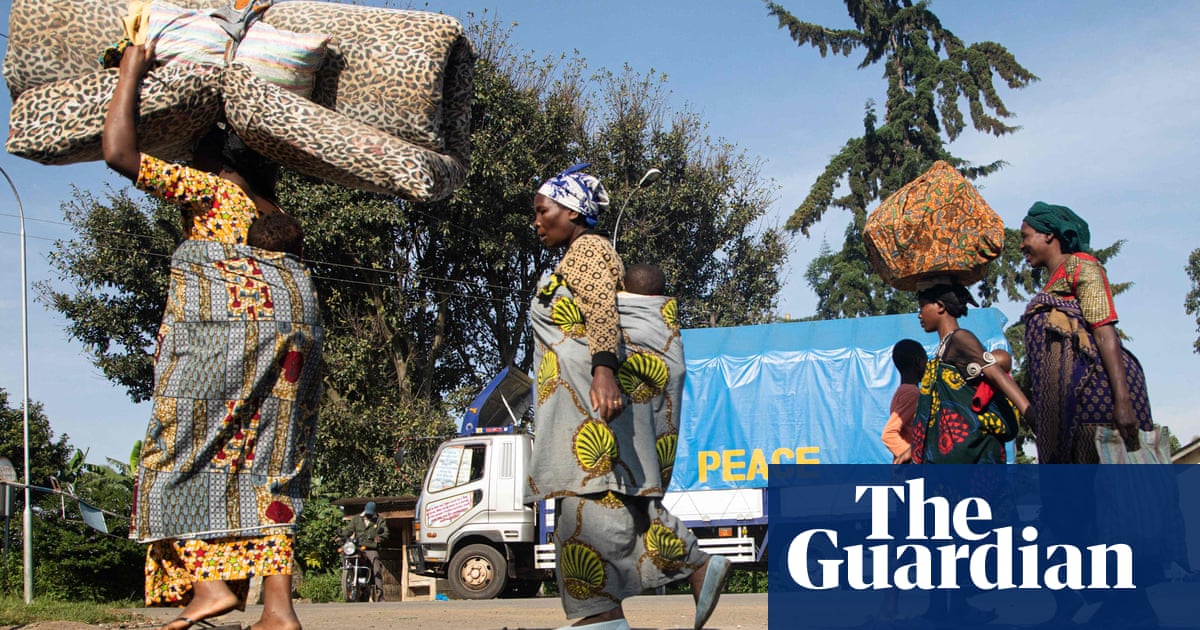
column 116, row 232
column 306, row 260
column 520, row 292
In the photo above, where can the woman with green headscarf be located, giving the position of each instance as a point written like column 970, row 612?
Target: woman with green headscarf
column 1082, row 377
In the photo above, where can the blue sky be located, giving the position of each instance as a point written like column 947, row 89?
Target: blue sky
column 1110, row 130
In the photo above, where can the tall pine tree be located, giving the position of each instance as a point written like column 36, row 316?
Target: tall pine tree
column 930, row 75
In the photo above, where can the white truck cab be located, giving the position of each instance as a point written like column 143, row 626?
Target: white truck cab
column 471, row 526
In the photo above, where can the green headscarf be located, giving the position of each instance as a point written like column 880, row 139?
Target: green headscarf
column 1070, row 230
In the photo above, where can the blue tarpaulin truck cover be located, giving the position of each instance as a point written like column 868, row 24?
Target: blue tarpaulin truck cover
column 797, row 392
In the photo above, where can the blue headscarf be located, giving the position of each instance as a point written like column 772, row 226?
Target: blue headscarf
column 1070, row 230
column 577, row 191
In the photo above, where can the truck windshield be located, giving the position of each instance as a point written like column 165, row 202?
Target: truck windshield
column 456, row 465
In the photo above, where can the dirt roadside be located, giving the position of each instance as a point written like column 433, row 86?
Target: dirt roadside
column 747, row 612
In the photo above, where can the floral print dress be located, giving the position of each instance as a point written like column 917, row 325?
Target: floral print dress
column 171, row 512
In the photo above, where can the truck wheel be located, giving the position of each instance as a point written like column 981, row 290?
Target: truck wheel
column 477, row 572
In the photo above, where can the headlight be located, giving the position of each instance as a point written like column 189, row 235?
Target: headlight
column 349, row 549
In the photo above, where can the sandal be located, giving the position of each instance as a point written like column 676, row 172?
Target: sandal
column 204, row 623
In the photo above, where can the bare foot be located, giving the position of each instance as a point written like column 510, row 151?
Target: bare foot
column 278, row 624
column 278, row 612
column 277, row 619
column 209, row 599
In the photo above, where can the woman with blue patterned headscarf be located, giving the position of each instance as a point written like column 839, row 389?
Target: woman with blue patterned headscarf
column 613, row 539
column 577, row 191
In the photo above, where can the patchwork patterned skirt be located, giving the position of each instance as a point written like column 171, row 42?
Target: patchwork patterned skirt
column 227, row 455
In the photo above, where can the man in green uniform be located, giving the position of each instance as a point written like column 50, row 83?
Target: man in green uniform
column 368, row 531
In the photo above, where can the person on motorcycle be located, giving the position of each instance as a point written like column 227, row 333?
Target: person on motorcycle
column 367, row 531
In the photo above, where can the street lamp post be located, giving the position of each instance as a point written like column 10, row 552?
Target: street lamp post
column 650, row 176
column 27, row 515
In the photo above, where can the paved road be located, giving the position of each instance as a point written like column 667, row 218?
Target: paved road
column 648, row 611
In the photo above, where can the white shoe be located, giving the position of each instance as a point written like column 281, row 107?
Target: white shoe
column 611, row 624
column 715, row 576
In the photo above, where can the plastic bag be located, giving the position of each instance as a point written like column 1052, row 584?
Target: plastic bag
column 1156, row 447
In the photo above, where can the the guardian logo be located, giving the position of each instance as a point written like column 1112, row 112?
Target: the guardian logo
column 957, row 541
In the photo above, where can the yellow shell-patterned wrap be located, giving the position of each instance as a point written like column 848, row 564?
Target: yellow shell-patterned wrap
column 595, row 447
column 582, row 571
column 670, row 313
column 663, row 543
column 642, row 376
column 552, row 284
column 611, row 501
column 666, row 445
column 547, row 376
column 567, row 316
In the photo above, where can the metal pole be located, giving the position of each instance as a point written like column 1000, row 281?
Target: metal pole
column 27, row 516
column 649, row 177
column 7, row 520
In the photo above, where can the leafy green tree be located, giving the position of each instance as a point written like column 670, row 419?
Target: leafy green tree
column 1192, row 301
column 48, row 454
column 118, row 265
column 703, row 223
column 316, row 534
column 108, row 486
column 930, row 73
column 112, row 567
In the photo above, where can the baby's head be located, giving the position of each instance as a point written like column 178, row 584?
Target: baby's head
column 277, row 232
column 1003, row 359
column 645, row 280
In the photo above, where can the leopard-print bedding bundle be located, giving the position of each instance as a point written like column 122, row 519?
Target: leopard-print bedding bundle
column 390, row 110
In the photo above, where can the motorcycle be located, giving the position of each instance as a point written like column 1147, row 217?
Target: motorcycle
column 358, row 581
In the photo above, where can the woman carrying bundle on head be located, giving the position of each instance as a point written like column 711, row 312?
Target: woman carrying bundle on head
column 951, row 426
column 224, row 467
column 947, row 430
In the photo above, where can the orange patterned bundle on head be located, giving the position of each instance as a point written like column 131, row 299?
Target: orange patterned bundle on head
column 935, row 225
